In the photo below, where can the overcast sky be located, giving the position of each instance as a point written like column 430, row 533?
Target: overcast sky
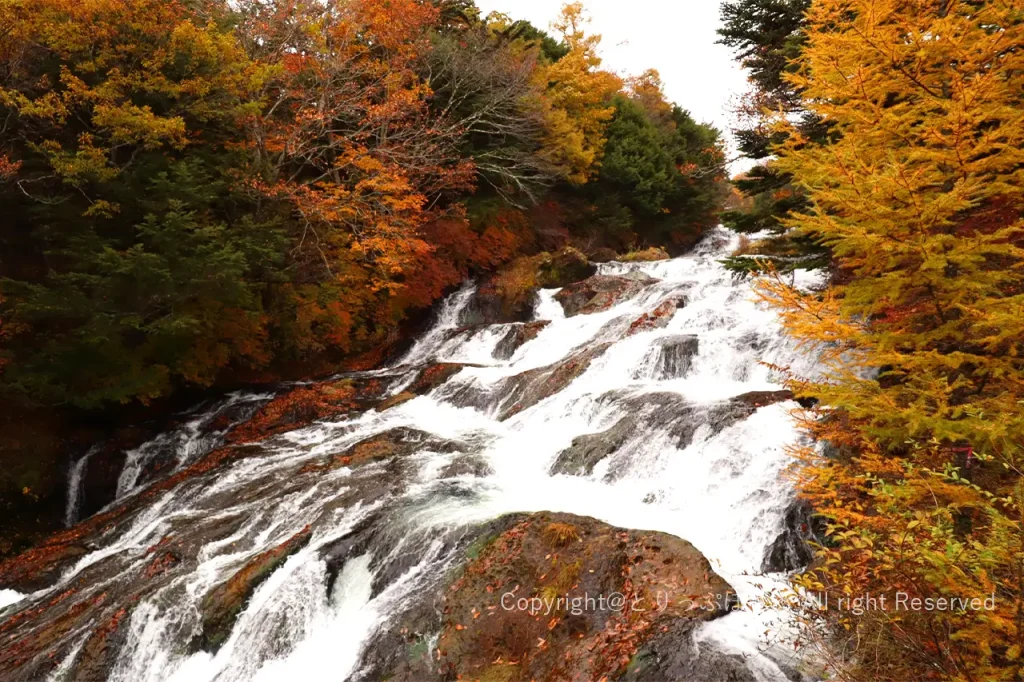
column 676, row 37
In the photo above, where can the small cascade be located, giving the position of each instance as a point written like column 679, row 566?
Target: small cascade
column 654, row 410
column 203, row 430
column 75, row 482
column 449, row 319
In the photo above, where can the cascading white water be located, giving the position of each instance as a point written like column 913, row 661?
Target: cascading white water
column 192, row 439
column 75, row 475
column 197, row 436
column 723, row 491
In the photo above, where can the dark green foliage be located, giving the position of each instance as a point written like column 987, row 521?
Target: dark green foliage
column 551, row 49
column 636, row 165
column 658, row 184
column 774, row 197
column 126, row 300
column 767, row 35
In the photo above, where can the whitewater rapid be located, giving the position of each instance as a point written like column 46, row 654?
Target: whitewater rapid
column 725, row 492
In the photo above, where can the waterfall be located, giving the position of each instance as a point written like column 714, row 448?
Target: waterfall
column 684, row 463
column 75, row 482
column 202, row 431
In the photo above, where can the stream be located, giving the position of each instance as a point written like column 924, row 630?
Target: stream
column 684, row 463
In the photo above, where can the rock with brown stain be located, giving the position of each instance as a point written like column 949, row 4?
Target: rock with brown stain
column 221, row 607
column 600, row 293
column 659, row 318
column 551, row 597
column 517, row 337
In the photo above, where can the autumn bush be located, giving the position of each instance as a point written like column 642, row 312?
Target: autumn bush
column 651, row 255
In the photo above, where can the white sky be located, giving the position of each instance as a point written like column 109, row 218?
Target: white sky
column 676, row 37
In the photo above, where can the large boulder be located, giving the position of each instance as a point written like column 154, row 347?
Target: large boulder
column 566, row 267
column 551, row 597
column 510, row 295
column 600, row 293
column 491, row 305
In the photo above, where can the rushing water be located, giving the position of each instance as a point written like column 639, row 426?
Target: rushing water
column 723, row 491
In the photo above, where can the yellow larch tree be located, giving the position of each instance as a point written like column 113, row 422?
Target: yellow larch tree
column 578, row 99
column 919, row 192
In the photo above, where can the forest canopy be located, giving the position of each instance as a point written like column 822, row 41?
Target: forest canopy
column 202, row 192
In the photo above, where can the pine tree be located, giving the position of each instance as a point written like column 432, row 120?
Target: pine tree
column 768, row 36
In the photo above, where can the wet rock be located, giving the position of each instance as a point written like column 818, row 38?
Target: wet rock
column 467, row 465
column 792, row 550
column 221, row 607
column 674, row 356
column 400, row 442
column 307, row 404
column 603, row 255
column 517, row 337
column 98, row 486
column 521, row 392
column 600, row 293
column 490, row 307
column 754, row 341
column 673, row 655
column 41, row 566
column 566, row 267
column 396, row 400
column 659, row 318
column 510, row 295
column 433, row 376
column 668, row 415
column 429, row 378
column 525, row 390
column 758, row 399
column 587, row 451
column 95, row 606
column 619, row 589
column 506, row 297
column 99, row 653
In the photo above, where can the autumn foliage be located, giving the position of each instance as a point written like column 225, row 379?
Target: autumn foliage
column 200, row 192
column 918, row 193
